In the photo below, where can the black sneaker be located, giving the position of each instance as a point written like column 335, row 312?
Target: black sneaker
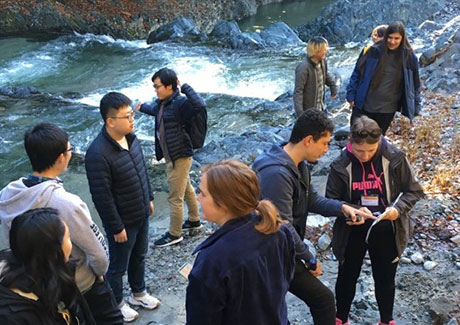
column 168, row 240
column 191, row 225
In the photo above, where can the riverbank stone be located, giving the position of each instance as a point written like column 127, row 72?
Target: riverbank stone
column 19, row 91
column 280, row 34
column 324, row 241
column 456, row 239
column 417, row 258
column 178, row 29
column 429, row 265
column 228, row 34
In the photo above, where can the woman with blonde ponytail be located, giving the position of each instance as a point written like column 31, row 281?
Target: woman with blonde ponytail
column 242, row 271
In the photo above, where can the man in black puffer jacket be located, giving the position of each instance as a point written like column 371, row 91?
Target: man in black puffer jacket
column 121, row 192
column 172, row 142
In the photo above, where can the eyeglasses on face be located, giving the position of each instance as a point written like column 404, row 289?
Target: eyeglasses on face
column 129, row 117
column 363, row 134
column 157, row 86
column 71, row 148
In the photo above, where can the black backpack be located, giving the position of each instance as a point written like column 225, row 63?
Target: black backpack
column 196, row 127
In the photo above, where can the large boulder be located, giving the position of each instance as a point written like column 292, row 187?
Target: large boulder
column 344, row 21
column 280, row 34
column 442, row 61
column 178, row 29
column 19, row 91
column 229, row 34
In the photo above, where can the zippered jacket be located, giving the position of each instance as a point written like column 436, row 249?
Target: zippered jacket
column 241, row 276
column 177, row 109
column 360, row 81
column 398, row 177
column 118, row 181
column 289, row 188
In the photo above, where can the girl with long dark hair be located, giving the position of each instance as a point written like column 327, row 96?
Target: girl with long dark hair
column 242, row 272
column 386, row 80
column 36, row 285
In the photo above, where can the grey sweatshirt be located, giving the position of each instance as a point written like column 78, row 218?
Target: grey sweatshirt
column 89, row 251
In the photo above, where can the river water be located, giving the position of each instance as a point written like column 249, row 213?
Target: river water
column 73, row 72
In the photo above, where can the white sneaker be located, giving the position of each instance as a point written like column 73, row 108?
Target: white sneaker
column 146, row 301
column 129, row 314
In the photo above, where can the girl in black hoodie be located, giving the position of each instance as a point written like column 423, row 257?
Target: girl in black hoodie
column 36, row 285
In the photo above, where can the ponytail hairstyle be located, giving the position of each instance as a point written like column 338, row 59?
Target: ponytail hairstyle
column 37, row 264
column 234, row 186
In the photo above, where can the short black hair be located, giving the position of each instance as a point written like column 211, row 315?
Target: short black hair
column 112, row 100
column 167, row 77
column 44, row 143
column 312, row 122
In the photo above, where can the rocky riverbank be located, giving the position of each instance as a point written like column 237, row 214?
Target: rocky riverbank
column 128, row 19
column 428, row 286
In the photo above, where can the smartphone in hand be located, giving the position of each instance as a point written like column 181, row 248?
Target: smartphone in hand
column 135, row 103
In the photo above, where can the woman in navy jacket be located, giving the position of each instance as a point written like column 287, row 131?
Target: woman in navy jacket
column 242, row 271
column 386, row 80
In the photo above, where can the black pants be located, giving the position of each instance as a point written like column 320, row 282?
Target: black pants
column 383, row 119
column 382, row 251
column 315, row 294
column 102, row 304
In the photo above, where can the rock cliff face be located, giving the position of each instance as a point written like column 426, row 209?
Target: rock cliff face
column 129, row 19
column 353, row 20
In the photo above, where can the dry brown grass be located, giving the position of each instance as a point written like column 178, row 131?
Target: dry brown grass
column 432, row 145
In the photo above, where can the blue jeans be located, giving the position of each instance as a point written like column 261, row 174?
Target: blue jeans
column 129, row 256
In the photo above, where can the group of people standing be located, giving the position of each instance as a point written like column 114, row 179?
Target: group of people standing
column 385, row 79
column 59, row 271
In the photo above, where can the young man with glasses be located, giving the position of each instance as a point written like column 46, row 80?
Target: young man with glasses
column 121, row 191
column 49, row 152
column 172, row 142
column 374, row 174
column 285, row 180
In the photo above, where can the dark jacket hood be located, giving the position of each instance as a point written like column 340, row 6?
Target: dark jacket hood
column 275, row 156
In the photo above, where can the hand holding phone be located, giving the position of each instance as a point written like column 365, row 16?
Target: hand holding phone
column 136, row 104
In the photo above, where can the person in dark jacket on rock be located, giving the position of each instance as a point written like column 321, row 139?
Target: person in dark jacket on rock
column 374, row 174
column 386, row 80
column 172, row 142
column 121, row 191
column 311, row 77
column 242, row 271
column 36, row 284
column 285, row 180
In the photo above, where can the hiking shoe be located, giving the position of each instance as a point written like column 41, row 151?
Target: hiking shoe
column 129, row 314
column 338, row 321
column 168, row 240
column 191, row 225
column 146, row 301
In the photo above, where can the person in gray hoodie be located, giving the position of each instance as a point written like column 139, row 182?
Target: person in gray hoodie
column 49, row 152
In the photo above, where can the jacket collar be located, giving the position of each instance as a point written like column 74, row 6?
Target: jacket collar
column 129, row 137
column 169, row 99
column 229, row 226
